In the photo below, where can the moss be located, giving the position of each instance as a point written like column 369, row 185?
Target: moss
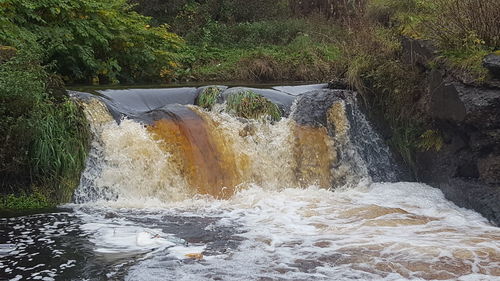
column 208, row 97
column 24, row 202
column 250, row 105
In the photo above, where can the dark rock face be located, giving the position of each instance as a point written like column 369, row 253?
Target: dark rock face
column 492, row 63
column 312, row 110
column 467, row 168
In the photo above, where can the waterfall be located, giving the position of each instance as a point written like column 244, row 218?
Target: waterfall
column 157, row 144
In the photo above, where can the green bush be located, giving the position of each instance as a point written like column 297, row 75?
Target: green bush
column 249, row 105
column 91, row 40
column 44, row 138
column 24, row 202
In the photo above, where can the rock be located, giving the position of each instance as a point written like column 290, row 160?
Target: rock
column 312, row 107
column 248, row 130
column 467, row 115
column 111, row 215
column 492, row 63
column 339, row 83
column 489, row 169
column 418, row 52
column 445, row 102
column 456, row 102
column 7, row 53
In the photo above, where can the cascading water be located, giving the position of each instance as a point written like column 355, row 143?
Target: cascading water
column 172, row 191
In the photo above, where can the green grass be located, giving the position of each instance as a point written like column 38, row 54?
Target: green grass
column 208, row 97
column 249, row 105
column 59, row 152
column 468, row 62
column 299, row 61
column 295, row 49
column 44, row 135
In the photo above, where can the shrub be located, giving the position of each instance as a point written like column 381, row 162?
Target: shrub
column 90, row 40
column 250, row 105
column 44, row 138
column 461, row 23
column 33, row 201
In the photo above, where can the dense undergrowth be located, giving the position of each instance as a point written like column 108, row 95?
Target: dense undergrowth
column 291, row 50
column 43, row 134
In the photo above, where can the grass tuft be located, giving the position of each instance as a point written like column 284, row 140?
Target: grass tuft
column 250, row 105
column 208, row 97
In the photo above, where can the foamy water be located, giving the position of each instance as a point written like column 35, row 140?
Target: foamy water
column 381, row 231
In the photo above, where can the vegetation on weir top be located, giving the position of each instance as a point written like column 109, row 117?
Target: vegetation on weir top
column 250, row 105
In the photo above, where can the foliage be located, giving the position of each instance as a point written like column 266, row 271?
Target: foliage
column 208, row 97
column 186, row 15
column 249, row 105
column 21, row 92
column 431, row 140
column 44, row 138
column 264, row 51
column 58, row 153
column 463, row 30
column 277, row 32
column 32, row 201
column 461, row 23
column 90, row 40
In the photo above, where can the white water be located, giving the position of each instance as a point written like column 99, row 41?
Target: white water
column 282, row 231
column 383, row 231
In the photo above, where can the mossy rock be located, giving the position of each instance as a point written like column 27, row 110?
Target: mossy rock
column 250, row 105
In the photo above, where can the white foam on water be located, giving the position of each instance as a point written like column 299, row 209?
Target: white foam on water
column 384, row 231
column 124, row 237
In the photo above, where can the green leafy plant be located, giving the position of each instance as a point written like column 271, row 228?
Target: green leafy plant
column 84, row 41
column 32, row 201
column 250, row 105
column 44, row 136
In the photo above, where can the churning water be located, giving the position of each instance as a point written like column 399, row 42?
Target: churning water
column 175, row 192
